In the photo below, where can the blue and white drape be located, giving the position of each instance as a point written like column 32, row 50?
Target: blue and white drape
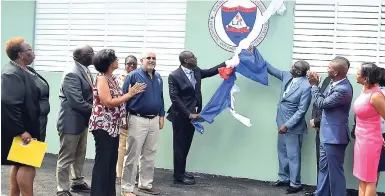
column 252, row 66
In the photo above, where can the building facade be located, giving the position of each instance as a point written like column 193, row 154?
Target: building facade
column 305, row 31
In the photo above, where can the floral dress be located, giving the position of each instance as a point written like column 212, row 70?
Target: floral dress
column 102, row 117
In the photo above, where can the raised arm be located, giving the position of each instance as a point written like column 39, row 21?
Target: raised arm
column 337, row 98
column 274, row 71
column 73, row 92
column 174, row 96
column 212, row 71
column 302, row 109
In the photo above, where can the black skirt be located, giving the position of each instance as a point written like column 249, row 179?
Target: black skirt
column 6, row 143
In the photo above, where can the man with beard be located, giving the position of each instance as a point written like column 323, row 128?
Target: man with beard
column 130, row 64
column 293, row 104
column 315, row 122
column 145, row 119
column 186, row 98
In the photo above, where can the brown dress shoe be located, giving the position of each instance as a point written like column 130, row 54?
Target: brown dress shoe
column 152, row 191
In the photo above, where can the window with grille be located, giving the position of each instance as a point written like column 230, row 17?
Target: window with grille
column 128, row 27
column 325, row 29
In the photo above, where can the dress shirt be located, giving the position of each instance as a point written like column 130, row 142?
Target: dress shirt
column 293, row 81
column 190, row 75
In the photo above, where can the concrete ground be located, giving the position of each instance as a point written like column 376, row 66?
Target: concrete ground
column 207, row 185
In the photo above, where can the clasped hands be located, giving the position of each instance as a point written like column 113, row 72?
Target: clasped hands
column 313, row 78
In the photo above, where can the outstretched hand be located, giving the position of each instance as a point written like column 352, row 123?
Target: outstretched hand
column 137, row 88
column 251, row 49
column 234, row 61
column 225, row 72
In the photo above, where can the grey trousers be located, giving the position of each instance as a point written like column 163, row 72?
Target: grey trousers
column 71, row 158
column 142, row 141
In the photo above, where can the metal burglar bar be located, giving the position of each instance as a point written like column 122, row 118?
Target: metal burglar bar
column 324, row 29
column 129, row 27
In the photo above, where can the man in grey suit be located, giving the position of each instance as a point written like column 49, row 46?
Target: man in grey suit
column 75, row 110
column 293, row 104
column 334, row 133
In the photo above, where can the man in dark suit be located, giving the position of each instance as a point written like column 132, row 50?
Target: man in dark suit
column 316, row 115
column 75, row 110
column 186, row 97
column 334, row 132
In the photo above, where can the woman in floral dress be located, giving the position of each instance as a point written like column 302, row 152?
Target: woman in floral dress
column 107, row 116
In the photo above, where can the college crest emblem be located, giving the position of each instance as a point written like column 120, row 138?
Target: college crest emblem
column 233, row 20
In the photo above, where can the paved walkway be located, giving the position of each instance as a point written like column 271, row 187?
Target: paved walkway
column 207, row 185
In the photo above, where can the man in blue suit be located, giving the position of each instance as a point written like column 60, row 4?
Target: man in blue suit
column 293, row 104
column 334, row 134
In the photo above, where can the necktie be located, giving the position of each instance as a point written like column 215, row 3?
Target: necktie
column 89, row 76
column 193, row 81
column 192, row 78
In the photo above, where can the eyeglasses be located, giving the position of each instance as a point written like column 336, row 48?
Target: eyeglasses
column 86, row 54
column 132, row 64
column 149, row 58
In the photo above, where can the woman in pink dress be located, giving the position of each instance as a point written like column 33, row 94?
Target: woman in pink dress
column 369, row 107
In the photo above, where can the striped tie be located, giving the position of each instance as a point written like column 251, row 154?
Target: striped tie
column 89, row 76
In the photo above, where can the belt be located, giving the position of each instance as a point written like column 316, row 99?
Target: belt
column 143, row 116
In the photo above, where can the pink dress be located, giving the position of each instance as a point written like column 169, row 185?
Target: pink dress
column 368, row 143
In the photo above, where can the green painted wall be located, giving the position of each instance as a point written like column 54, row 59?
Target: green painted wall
column 227, row 147
column 15, row 24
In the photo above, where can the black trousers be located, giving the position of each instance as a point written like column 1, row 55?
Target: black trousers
column 317, row 144
column 183, row 132
column 106, row 157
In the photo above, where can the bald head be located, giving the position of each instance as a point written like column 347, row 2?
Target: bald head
column 83, row 54
column 300, row 68
column 148, row 61
column 187, row 59
column 147, row 54
column 184, row 56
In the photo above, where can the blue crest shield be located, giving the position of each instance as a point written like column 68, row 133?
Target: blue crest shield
column 238, row 21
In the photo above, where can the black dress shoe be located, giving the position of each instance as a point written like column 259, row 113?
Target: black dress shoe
column 184, row 181
column 292, row 190
column 189, row 176
column 280, row 183
column 81, row 188
column 309, row 194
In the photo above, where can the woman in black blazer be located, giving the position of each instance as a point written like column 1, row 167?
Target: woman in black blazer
column 43, row 87
column 20, row 112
